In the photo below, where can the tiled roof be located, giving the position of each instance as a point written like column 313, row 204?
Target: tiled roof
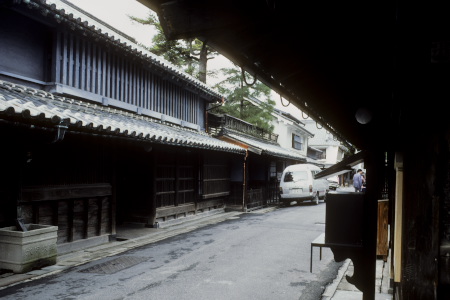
column 31, row 106
column 76, row 18
column 265, row 147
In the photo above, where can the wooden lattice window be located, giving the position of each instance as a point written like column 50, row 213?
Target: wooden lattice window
column 186, row 181
column 216, row 178
column 175, row 179
column 165, row 184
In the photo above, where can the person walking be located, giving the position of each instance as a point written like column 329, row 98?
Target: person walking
column 357, row 181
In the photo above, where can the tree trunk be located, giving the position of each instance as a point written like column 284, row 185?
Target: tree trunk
column 202, row 63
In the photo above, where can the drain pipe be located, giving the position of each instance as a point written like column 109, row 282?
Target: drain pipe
column 244, row 185
column 61, row 129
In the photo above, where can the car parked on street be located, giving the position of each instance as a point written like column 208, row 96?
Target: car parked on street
column 298, row 184
column 333, row 183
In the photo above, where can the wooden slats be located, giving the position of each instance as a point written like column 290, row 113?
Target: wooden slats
column 175, row 210
column 216, row 179
column 63, row 222
column 94, row 68
column 93, row 217
column 76, row 79
column 82, row 215
column 88, row 67
column 82, row 67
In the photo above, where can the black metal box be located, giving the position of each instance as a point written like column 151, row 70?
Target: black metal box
column 344, row 218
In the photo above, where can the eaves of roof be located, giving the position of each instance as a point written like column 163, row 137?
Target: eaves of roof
column 343, row 166
column 76, row 19
column 315, row 149
column 262, row 147
column 321, row 137
column 36, row 107
column 279, row 113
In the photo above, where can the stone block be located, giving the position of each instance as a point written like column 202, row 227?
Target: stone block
column 23, row 251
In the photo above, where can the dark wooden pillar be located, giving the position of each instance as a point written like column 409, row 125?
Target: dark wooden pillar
column 424, row 180
column 375, row 166
column 362, row 254
column 245, row 183
column 152, row 218
column 113, row 206
column 177, row 180
column 197, row 175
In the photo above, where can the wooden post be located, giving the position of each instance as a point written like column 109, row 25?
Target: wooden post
column 99, row 201
column 382, row 231
column 374, row 163
column 113, row 205
column 70, row 215
column 398, row 227
column 177, row 182
column 198, row 165
column 244, row 185
column 152, row 218
column 85, row 218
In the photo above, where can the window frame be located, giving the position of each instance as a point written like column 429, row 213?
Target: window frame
column 297, row 144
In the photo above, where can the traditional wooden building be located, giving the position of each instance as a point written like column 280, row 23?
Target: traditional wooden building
column 377, row 78
column 258, row 177
column 96, row 131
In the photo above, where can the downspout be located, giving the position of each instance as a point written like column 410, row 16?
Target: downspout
column 244, row 185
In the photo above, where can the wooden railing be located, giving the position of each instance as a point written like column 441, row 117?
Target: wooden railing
column 242, row 126
column 218, row 122
column 255, row 199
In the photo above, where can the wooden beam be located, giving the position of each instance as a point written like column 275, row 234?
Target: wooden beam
column 398, row 224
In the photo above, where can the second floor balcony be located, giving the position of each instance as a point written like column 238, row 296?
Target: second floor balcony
column 217, row 123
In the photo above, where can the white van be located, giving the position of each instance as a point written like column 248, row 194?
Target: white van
column 298, row 184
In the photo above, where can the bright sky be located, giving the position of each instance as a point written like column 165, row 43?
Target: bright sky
column 117, row 12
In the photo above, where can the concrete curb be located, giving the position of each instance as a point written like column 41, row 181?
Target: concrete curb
column 330, row 290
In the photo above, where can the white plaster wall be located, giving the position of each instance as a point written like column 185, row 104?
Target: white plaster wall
column 332, row 154
column 285, row 129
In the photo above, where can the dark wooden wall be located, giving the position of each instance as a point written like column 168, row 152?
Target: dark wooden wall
column 62, row 60
column 176, row 178
column 95, row 68
column 215, row 177
column 24, row 47
column 78, row 182
column 133, row 181
column 188, row 182
column 79, row 211
column 67, row 184
column 425, row 182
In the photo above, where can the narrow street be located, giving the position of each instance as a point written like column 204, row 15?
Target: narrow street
column 254, row 256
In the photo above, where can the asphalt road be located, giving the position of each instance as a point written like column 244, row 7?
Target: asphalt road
column 254, row 256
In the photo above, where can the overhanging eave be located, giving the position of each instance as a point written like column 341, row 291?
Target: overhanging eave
column 343, row 166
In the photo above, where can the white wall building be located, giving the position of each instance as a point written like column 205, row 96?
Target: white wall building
column 292, row 134
column 330, row 150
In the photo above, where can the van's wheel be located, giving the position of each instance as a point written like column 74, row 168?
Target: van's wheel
column 316, row 199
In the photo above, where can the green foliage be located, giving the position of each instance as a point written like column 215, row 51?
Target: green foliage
column 190, row 55
column 237, row 91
